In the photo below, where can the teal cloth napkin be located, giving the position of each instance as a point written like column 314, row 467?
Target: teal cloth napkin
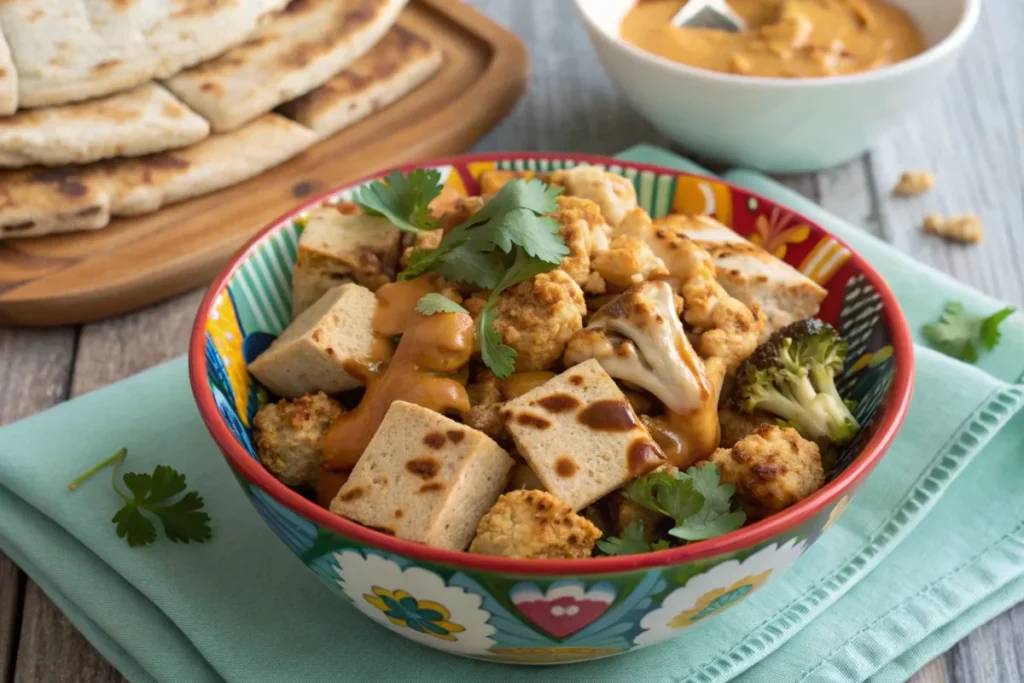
column 932, row 546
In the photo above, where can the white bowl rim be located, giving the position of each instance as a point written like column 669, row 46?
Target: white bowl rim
column 953, row 40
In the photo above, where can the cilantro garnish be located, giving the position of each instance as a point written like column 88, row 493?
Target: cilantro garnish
column 402, row 199
column 700, row 505
column 510, row 240
column 631, row 542
column 183, row 519
column 958, row 333
column 434, row 303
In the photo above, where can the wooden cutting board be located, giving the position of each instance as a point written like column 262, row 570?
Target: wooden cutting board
column 134, row 262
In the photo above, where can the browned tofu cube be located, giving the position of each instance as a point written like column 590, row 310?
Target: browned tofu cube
column 580, row 435
column 337, row 247
column 312, row 353
column 425, row 478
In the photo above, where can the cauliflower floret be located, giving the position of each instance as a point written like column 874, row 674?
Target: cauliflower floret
column 287, row 437
column 737, row 425
column 628, row 261
column 728, row 328
column 462, row 209
column 638, row 338
column 535, row 525
column 613, row 193
column 584, row 232
column 536, row 317
column 772, row 469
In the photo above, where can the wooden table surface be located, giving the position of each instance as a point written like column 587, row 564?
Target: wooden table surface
column 971, row 134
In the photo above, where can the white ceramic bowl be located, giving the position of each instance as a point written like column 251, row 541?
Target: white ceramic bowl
column 775, row 124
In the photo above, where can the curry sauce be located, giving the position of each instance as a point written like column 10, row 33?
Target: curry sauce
column 785, row 38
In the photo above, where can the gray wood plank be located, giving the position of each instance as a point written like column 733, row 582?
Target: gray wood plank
column 570, row 104
column 936, row 671
column 68, row 656
column 35, row 366
column 992, row 653
column 50, row 648
column 969, row 135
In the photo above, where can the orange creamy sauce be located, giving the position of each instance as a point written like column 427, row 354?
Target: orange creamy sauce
column 422, row 370
column 785, row 38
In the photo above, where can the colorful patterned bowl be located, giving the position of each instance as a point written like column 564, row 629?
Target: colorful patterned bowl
column 552, row 611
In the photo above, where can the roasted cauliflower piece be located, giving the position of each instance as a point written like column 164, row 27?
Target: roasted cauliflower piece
column 585, row 233
column 628, row 261
column 614, row 194
column 737, row 425
column 287, row 437
column 462, row 209
column 638, row 338
column 534, row 525
column 772, row 469
column 727, row 328
column 536, row 317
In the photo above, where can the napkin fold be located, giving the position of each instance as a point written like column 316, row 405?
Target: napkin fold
column 932, row 546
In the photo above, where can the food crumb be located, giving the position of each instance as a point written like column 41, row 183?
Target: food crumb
column 958, row 228
column 913, row 183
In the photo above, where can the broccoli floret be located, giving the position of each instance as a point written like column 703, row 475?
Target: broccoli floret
column 792, row 375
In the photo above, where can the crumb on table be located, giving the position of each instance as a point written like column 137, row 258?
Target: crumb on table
column 913, row 183
column 958, row 228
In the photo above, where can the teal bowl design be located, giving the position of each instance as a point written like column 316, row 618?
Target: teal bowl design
column 552, row 611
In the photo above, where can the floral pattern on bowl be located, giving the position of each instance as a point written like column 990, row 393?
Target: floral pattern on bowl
column 546, row 612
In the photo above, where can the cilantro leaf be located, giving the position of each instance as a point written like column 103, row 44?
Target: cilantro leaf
column 958, row 333
column 631, row 542
column 989, row 334
column 434, row 303
column 468, row 266
column 497, row 356
column 404, row 199
column 696, row 499
column 183, row 520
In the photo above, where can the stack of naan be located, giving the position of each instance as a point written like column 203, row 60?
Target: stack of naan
column 120, row 107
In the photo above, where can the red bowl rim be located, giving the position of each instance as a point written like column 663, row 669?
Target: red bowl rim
column 894, row 413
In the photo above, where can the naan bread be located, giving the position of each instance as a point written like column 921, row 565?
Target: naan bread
column 293, row 52
column 34, row 202
column 139, row 186
column 62, row 57
column 141, row 121
column 8, row 80
column 397, row 65
column 45, row 201
column 188, row 32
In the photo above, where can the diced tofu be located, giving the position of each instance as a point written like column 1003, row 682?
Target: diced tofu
column 311, row 354
column 338, row 247
column 580, row 435
column 425, row 478
column 751, row 274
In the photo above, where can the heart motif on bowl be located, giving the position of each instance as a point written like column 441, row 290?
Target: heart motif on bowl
column 566, row 607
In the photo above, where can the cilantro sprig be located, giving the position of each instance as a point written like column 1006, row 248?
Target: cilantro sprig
column 696, row 500
column 958, row 333
column 510, row 240
column 403, row 199
column 631, row 542
column 183, row 519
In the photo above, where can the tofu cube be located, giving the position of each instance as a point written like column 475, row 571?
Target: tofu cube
column 425, row 478
column 580, row 435
column 312, row 353
column 337, row 247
